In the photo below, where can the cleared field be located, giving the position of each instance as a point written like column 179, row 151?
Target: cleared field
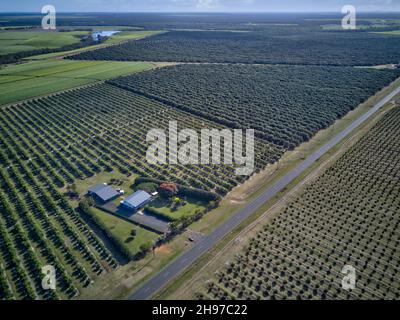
column 114, row 39
column 38, row 227
column 132, row 237
column 131, row 35
column 114, row 178
column 190, row 208
column 109, row 125
column 18, row 41
column 389, row 33
column 23, row 81
column 286, row 105
column 349, row 216
column 50, row 143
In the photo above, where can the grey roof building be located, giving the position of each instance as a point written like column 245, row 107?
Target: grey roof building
column 137, row 200
column 103, row 192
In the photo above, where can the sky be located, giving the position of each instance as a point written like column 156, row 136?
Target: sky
column 197, row 5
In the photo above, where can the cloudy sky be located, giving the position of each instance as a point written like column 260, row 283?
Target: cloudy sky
column 196, row 5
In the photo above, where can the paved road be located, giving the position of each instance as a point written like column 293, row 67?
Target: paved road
column 152, row 286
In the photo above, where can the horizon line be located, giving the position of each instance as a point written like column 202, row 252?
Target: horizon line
column 201, row 12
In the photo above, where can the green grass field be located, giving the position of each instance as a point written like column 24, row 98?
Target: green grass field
column 115, row 178
column 116, row 38
column 47, row 74
column 123, row 230
column 390, row 33
column 130, row 35
column 23, row 81
column 188, row 210
column 19, row 41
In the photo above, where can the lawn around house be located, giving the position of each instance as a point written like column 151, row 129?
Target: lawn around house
column 122, row 230
column 114, row 178
column 118, row 227
column 165, row 207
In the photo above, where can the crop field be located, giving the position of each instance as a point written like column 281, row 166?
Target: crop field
column 18, row 41
column 50, row 142
column 37, row 226
column 107, row 126
column 286, row 105
column 348, row 216
column 27, row 80
column 76, row 110
column 17, row 45
column 276, row 45
column 114, row 39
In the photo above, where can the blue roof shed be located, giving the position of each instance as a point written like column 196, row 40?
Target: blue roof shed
column 137, row 200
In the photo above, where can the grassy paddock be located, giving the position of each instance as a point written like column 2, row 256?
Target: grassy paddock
column 131, row 35
column 105, row 177
column 390, row 33
column 19, row 41
column 122, row 230
column 187, row 210
column 115, row 39
column 28, row 80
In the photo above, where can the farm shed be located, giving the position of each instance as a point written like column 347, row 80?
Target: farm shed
column 103, row 193
column 136, row 200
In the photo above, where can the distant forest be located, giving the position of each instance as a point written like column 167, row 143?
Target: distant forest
column 277, row 45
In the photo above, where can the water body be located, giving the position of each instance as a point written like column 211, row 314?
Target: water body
column 102, row 34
